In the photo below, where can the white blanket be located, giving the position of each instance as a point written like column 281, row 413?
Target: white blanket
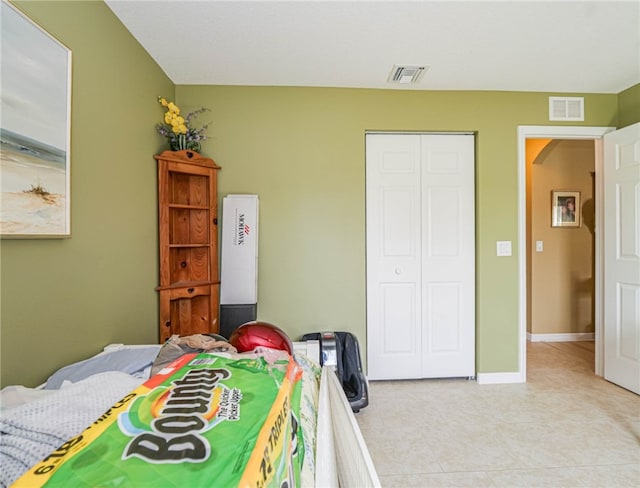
column 30, row 432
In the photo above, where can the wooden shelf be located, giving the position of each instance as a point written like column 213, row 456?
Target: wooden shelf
column 179, row 246
column 187, row 207
column 187, row 284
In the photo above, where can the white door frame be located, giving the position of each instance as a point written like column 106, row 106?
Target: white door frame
column 558, row 132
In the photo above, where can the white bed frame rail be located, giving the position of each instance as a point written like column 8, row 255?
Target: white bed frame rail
column 342, row 457
column 354, row 464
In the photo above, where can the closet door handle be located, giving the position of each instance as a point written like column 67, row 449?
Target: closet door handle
column 398, row 271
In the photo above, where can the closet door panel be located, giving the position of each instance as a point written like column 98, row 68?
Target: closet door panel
column 448, row 255
column 393, row 257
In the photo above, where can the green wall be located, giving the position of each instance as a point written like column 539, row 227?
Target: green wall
column 63, row 299
column 629, row 106
column 302, row 150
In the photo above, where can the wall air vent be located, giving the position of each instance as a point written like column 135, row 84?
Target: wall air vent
column 566, row 108
column 406, row 74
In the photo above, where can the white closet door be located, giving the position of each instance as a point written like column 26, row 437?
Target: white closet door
column 420, row 256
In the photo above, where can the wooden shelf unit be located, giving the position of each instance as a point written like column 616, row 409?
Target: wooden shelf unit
column 188, row 227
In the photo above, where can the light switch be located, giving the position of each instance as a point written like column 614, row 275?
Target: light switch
column 539, row 246
column 503, row 248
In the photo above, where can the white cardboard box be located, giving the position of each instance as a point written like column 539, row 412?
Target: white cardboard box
column 239, row 254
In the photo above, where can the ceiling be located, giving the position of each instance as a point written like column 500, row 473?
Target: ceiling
column 550, row 46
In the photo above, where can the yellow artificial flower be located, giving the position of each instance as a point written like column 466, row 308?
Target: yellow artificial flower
column 179, row 129
column 176, row 129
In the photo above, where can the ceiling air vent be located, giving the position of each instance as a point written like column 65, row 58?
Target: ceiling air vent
column 406, row 74
column 566, row 108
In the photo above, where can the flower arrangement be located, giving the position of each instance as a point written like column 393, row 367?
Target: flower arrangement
column 178, row 130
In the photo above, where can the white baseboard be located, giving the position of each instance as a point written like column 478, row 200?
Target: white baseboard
column 568, row 337
column 499, row 378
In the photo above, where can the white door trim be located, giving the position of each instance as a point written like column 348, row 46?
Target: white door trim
column 557, row 132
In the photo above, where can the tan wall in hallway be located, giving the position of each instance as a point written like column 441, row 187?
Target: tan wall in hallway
column 562, row 275
column 533, row 149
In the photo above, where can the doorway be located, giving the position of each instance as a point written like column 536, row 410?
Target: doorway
column 561, row 245
column 568, row 133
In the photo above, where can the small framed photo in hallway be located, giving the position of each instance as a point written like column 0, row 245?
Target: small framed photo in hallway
column 565, row 208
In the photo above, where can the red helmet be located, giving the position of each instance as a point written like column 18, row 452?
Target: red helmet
column 253, row 334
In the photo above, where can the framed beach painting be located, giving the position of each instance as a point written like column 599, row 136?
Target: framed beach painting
column 35, row 130
column 565, row 208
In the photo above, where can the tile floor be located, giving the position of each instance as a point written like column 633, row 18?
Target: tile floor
column 565, row 427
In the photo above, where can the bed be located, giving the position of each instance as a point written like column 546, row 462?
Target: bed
column 261, row 418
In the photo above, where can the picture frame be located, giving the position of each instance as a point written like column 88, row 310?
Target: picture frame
column 35, row 130
column 565, row 208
